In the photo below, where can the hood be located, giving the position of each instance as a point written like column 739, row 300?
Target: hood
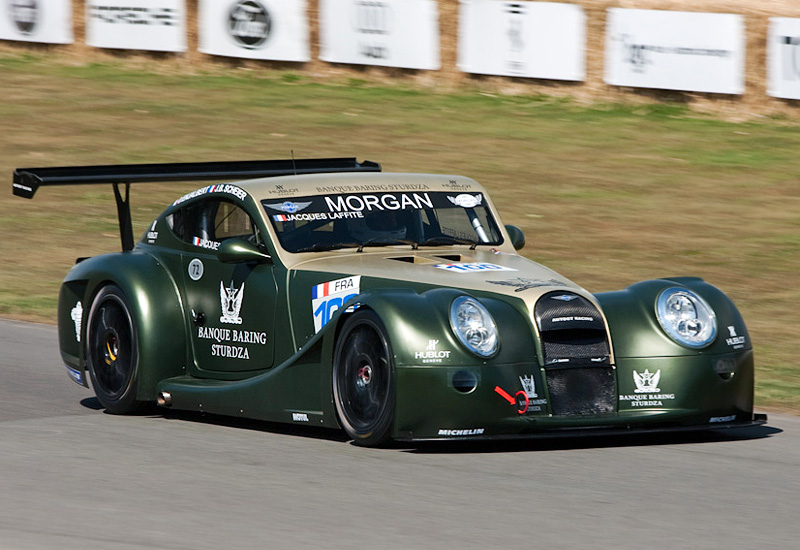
column 483, row 271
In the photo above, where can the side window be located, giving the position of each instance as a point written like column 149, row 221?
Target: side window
column 207, row 223
column 232, row 221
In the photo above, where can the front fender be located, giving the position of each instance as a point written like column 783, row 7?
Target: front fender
column 156, row 310
column 419, row 329
column 635, row 331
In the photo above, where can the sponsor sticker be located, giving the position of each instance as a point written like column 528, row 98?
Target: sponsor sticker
column 718, row 419
column 472, row 267
column 431, row 354
column 288, row 206
column 647, row 393
column 152, row 234
column 76, row 314
column 462, row 433
column 735, row 341
column 382, row 202
column 466, row 200
column 75, row 375
column 227, row 337
column 300, row 417
column 327, row 298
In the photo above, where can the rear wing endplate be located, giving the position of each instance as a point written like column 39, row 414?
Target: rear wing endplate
column 28, row 180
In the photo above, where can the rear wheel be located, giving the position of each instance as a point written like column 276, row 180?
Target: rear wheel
column 112, row 351
column 363, row 389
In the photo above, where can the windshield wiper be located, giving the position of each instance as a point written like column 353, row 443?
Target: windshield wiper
column 443, row 240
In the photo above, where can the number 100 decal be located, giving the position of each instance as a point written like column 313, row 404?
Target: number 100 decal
column 327, row 298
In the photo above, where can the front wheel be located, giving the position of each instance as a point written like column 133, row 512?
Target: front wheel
column 112, row 351
column 362, row 380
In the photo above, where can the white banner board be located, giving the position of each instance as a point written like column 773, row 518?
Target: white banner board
column 152, row 25
column 46, row 21
column 275, row 30
column 672, row 50
column 783, row 58
column 388, row 33
column 525, row 39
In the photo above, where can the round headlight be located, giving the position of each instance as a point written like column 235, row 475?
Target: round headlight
column 686, row 317
column 474, row 326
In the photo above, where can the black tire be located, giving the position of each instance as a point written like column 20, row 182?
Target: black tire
column 112, row 351
column 363, row 387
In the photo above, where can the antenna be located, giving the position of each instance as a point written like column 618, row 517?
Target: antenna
column 293, row 163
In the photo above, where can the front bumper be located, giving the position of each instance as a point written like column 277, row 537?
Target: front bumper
column 520, row 400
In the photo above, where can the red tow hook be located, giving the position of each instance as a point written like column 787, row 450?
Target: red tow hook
column 521, row 401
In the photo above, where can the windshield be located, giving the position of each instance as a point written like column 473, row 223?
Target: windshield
column 328, row 222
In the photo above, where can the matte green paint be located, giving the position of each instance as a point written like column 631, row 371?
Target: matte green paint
column 288, row 378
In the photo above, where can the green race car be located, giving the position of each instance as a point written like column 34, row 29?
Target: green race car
column 393, row 306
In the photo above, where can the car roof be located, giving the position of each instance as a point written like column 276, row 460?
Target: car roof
column 346, row 183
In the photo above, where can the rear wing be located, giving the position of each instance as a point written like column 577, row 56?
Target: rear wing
column 28, row 180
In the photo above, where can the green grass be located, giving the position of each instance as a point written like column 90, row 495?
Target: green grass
column 607, row 194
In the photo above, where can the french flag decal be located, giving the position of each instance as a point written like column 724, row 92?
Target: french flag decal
column 280, row 218
column 321, row 291
column 327, row 298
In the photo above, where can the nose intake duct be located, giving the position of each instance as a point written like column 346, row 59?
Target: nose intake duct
column 572, row 330
column 580, row 378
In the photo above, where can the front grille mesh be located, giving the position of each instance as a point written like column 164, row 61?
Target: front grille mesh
column 571, row 329
column 581, row 391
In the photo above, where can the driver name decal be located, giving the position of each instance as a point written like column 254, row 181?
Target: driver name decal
column 228, row 188
column 327, row 298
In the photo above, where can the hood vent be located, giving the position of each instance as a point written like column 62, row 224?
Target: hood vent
column 572, row 331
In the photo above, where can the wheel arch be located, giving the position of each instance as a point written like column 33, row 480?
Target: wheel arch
column 155, row 307
column 636, row 332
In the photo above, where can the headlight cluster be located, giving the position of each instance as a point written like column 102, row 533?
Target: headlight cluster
column 686, row 317
column 474, row 326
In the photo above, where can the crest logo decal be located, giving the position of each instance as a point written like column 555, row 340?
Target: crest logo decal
column 647, row 382
column 529, row 386
column 565, row 297
column 231, row 299
column 288, row 206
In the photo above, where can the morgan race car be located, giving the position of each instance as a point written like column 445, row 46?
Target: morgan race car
column 392, row 306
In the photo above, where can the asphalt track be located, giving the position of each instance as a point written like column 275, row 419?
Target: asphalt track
column 73, row 477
